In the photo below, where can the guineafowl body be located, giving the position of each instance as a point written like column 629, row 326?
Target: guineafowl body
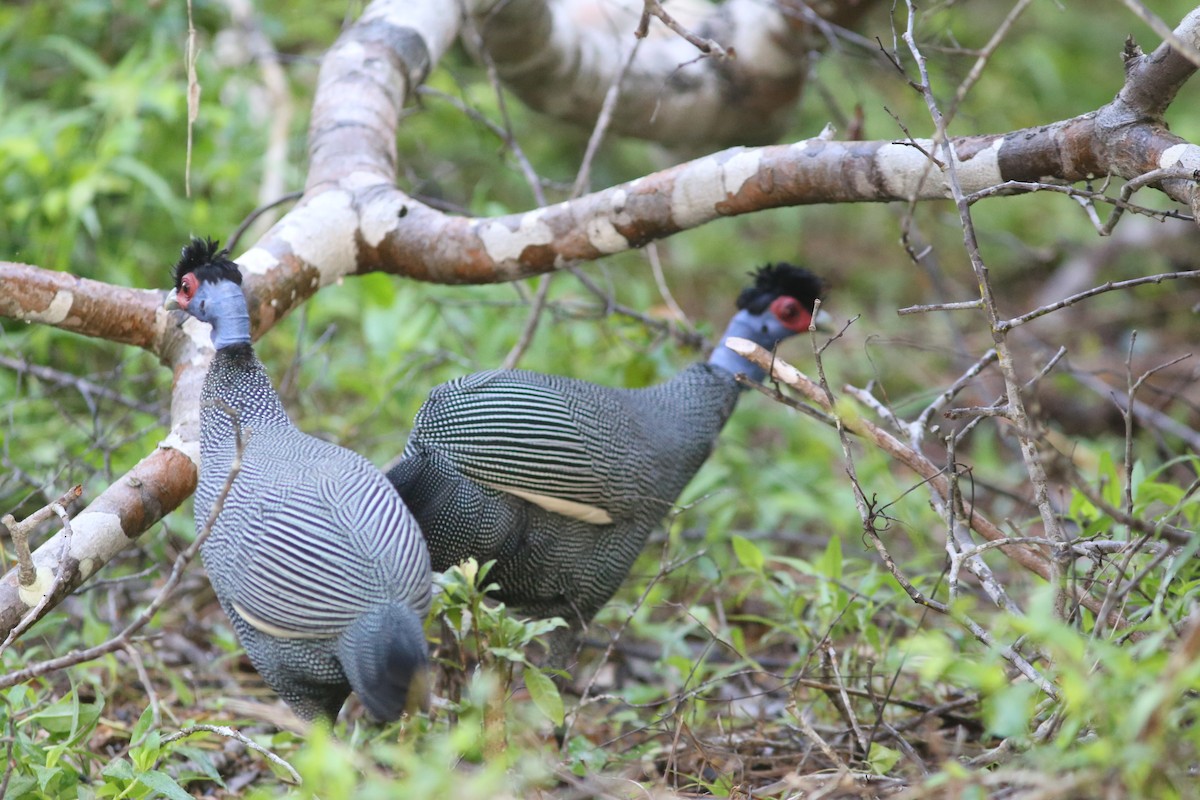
column 560, row 481
column 319, row 565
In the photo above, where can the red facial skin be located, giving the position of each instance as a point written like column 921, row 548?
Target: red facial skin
column 187, row 289
column 792, row 313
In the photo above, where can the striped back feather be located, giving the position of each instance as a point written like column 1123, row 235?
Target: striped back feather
column 511, row 433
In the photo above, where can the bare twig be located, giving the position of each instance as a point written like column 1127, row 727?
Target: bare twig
column 144, row 677
column 966, row 305
column 1085, row 197
column 1154, row 176
column 985, row 55
column 665, row 569
column 278, row 114
column 1171, row 533
column 9, row 763
column 603, row 121
column 917, row 429
column 808, row 730
column 705, row 45
column 782, row 371
column 1017, row 412
column 1162, row 29
column 234, row 238
column 830, row 657
column 193, row 97
column 84, row 386
column 532, row 319
column 20, row 531
column 1009, row 324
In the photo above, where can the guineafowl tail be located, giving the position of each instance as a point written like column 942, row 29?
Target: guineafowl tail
column 384, row 656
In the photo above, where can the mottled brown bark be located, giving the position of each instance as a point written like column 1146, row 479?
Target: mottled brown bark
column 353, row 219
column 79, row 305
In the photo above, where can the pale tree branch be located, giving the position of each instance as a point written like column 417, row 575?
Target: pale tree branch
column 558, row 58
column 353, row 219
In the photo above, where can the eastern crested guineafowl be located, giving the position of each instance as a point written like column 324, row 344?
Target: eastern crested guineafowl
column 560, row 480
column 314, row 557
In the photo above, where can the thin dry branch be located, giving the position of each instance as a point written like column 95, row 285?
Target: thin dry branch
column 785, row 373
column 1009, row 324
column 232, row 733
column 707, row 46
column 1015, row 406
column 353, row 219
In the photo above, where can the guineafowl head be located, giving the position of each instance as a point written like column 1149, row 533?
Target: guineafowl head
column 777, row 305
column 208, row 286
column 780, row 302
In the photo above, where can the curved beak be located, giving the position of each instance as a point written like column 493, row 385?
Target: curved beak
column 823, row 321
column 171, row 305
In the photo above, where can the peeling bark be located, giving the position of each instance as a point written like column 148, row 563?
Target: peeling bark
column 353, row 219
column 111, row 523
column 80, row 305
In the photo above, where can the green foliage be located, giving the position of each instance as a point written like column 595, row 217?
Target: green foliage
column 52, row 755
column 762, row 590
column 484, row 632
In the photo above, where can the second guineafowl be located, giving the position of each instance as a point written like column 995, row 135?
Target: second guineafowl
column 561, row 480
column 315, row 559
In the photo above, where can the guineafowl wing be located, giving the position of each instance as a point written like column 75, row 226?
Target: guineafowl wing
column 336, row 544
column 520, row 433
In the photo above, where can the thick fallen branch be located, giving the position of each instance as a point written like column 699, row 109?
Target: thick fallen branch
column 353, row 219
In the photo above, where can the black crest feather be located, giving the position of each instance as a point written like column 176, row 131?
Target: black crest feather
column 775, row 280
column 210, row 263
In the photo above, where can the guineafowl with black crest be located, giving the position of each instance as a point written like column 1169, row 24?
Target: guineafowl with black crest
column 560, row 481
column 316, row 560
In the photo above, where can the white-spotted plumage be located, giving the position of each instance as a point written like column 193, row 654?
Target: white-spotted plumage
column 559, row 481
column 318, row 563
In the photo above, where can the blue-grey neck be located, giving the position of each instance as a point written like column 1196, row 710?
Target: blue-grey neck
column 223, row 305
column 747, row 326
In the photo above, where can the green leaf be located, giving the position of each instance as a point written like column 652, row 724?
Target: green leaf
column 508, row 653
column 1136, row 477
column 146, row 753
column 20, row 786
column 202, row 760
column 120, row 770
column 544, row 694
column 748, row 554
column 45, row 775
column 1008, row 712
column 164, row 784
column 143, row 724
column 68, row 716
column 882, row 759
column 830, row 563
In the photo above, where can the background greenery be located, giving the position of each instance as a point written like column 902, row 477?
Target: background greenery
column 774, row 584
